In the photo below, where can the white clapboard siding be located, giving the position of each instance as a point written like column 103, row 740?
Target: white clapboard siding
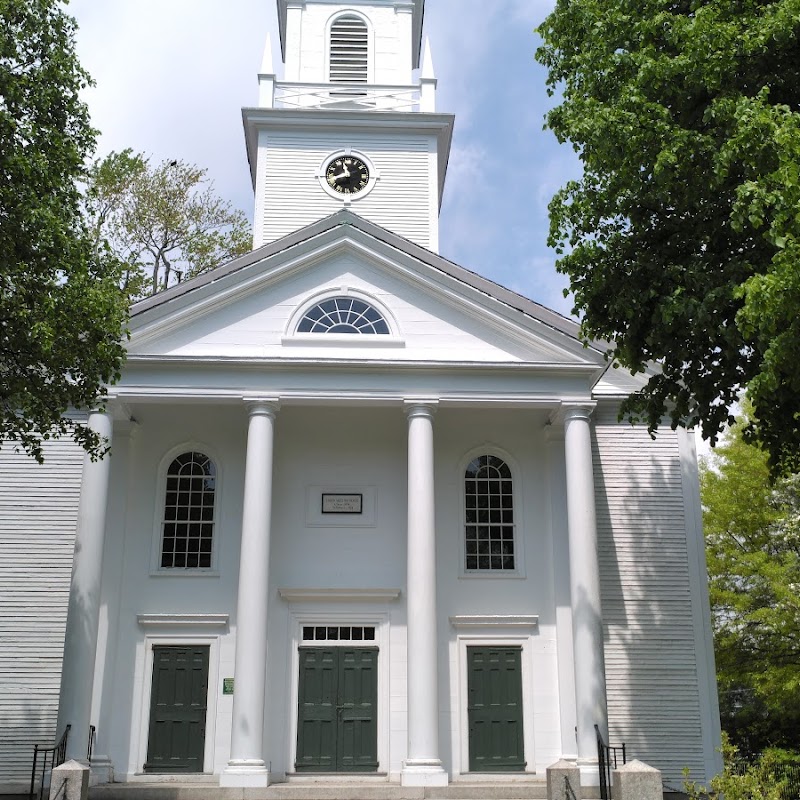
column 38, row 509
column 651, row 669
column 401, row 201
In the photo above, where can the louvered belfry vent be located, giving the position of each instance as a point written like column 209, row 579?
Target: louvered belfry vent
column 349, row 50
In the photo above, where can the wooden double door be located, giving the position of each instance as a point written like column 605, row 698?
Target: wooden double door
column 178, row 704
column 337, row 710
column 494, row 709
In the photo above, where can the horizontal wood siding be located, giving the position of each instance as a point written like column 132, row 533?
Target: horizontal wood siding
column 651, row 669
column 38, row 510
column 400, row 201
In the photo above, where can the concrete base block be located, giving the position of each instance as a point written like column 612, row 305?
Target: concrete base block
column 423, row 773
column 637, row 781
column 563, row 781
column 245, row 776
column 70, row 781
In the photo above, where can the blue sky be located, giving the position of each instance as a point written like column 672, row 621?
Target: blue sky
column 172, row 76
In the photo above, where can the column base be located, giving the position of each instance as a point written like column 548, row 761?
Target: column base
column 590, row 771
column 246, row 774
column 423, row 772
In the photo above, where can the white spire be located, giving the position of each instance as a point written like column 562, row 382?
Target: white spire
column 427, row 81
column 267, row 64
column 266, row 77
column 427, row 72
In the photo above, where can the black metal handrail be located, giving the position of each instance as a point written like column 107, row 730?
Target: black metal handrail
column 51, row 756
column 90, row 748
column 608, row 759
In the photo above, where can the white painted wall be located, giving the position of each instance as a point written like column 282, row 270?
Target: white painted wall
column 38, row 510
column 404, row 198
column 661, row 697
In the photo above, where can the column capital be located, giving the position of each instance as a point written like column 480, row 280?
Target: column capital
column 420, row 407
column 572, row 409
column 262, row 406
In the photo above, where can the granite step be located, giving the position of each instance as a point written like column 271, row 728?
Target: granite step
column 529, row 789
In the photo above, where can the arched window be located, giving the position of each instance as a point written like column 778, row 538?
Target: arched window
column 489, row 507
column 343, row 315
column 349, row 58
column 188, row 527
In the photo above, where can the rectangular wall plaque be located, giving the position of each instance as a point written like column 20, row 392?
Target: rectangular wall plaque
column 342, row 503
column 227, row 686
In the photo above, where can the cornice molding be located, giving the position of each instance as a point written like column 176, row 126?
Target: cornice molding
column 182, row 620
column 495, row 620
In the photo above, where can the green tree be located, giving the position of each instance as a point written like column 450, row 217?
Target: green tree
column 61, row 312
column 164, row 221
column 681, row 240
column 752, row 529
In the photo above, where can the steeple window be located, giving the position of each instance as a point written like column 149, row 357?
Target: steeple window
column 349, row 55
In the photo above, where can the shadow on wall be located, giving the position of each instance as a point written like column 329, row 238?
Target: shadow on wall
column 651, row 666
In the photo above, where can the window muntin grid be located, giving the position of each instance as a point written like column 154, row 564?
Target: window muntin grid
column 343, row 315
column 489, row 515
column 349, row 62
column 338, row 633
column 188, row 527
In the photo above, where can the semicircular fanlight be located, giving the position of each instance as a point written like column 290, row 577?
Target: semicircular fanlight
column 343, row 315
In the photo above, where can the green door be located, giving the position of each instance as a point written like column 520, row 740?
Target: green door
column 177, row 736
column 337, row 710
column 494, row 686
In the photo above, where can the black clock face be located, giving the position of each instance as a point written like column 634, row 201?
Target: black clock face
column 347, row 175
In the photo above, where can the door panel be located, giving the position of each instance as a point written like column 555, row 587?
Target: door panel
column 337, row 710
column 358, row 691
column 316, row 720
column 494, row 687
column 176, row 738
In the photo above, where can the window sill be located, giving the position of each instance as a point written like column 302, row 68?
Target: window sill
column 511, row 574
column 181, row 572
column 374, row 340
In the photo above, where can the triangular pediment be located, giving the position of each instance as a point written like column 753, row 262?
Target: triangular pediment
column 435, row 311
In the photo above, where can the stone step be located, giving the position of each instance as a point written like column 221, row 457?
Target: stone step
column 531, row 789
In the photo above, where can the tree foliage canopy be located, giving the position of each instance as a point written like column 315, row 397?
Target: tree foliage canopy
column 164, row 221
column 752, row 529
column 62, row 314
column 682, row 238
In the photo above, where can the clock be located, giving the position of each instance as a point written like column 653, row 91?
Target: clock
column 347, row 175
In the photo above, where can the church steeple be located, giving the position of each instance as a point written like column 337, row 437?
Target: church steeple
column 348, row 126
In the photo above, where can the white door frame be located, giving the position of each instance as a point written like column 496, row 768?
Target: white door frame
column 179, row 631
column 493, row 631
column 339, row 614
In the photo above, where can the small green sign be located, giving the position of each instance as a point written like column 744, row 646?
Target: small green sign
column 227, row 686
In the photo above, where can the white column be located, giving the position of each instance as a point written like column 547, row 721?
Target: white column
column 423, row 766
column 83, row 611
column 247, row 767
column 587, row 618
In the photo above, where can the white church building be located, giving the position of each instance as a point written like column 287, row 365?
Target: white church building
column 366, row 512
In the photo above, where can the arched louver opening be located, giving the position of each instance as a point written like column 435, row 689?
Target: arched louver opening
column 349, row 50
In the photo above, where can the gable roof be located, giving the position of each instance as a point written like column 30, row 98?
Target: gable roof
column 348, row 219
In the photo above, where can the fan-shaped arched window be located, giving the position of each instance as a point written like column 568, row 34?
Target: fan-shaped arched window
column 188, row 527
column 489, row 507
column 343, row 315
column 349, row 58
